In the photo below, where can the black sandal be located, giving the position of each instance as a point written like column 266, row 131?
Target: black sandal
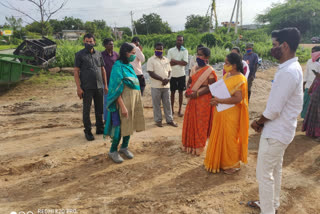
column 254, row 204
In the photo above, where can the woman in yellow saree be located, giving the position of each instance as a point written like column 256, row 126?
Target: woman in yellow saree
column 228, row 143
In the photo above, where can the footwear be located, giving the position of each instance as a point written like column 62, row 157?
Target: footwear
column 173, row 124
column 115, row 157
column 99, row 130
column 126, row 152
column 159, row 124
column 89, row 135
column 231, row 171
column 256, row 205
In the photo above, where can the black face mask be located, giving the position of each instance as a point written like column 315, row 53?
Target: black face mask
column 88, row 46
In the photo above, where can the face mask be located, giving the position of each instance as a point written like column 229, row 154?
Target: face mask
column 201, row 62
column 315, row 56
column 132, row 58
column 249, row 50
column 158, row 53
column 88, row 46
column 276, row 52
column 227, row 68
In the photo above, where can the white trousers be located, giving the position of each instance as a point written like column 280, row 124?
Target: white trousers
column 269, row 170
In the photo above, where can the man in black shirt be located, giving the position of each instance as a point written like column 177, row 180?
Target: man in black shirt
column 90, row 77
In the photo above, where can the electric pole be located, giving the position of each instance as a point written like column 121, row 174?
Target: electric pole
column 241, row 20
column 238, row 4
column 237, row 18
column 234, row 7
column 132, row 23
column 115, row 30
column 213, row 12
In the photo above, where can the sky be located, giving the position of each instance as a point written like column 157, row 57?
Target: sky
column 117, row 12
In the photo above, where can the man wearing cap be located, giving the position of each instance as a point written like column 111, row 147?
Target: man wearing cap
column 252, row 60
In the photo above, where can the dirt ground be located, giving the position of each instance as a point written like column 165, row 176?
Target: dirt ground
column 308, row 45
column 47, row 164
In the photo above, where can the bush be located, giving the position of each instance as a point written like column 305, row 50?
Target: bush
column 209, row 39
column 228, row 45
column 219, row 43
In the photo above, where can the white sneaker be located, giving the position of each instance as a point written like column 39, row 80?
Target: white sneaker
column 115, row 157
column 126, row 152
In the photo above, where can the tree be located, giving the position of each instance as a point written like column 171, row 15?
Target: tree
column 126, row 31
column 151, row 23
column 68, row 23
column 305, row 15
column 14, row 23
column 98, row 28
column 46, row 8
column 200, row 23
column 42, row 29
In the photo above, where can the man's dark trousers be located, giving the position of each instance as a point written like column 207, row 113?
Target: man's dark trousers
column 97, row 96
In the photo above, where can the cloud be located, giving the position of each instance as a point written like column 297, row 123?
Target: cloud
column 169, row 3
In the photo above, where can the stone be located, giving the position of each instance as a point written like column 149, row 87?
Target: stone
column 54, row 70
column 68, row 70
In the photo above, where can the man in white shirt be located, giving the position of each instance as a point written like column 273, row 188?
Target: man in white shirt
column 159, row 70
column 279, row 120
column 178, row 57
column 136, row 64
column 308, row 78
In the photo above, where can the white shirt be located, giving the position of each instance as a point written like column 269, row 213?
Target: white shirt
column 161, row 67
column 136, row 64
column 182, row 55
column 193, row 62
column 284, row 103
column 245, row 64
column 309, row 75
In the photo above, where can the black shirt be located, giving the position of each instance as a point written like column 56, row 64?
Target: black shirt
column 90, row 68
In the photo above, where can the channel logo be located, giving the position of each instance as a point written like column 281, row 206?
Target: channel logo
column 21, row 212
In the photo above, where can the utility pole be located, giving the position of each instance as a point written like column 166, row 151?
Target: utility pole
column 115, row 30
column 237, row 17
column 241, row 20
column 234, row 7
column 213, row 12
column 132, row 23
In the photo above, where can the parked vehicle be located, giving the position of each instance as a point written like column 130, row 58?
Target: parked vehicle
column 315, row 40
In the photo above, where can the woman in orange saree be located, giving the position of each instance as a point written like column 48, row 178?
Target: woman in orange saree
column 198, row 114
column 228, row 143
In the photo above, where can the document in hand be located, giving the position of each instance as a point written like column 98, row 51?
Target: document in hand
column 220, row 90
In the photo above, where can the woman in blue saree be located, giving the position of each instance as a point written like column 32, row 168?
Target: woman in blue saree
column 124, row 105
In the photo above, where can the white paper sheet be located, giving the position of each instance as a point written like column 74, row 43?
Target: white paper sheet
column 220, row 90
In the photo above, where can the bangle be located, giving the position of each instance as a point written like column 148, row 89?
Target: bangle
column 197, row 94
column 259, row 124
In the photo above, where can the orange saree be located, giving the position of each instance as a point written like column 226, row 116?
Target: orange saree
column 198, row 114
column 228, row 143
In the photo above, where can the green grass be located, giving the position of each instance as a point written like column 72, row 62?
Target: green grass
column 45, row 79
column 4, row 47
column 262, row 44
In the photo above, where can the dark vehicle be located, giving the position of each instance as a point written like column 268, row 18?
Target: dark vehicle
column 29, row 58
column 315, row 40
column 42, row 50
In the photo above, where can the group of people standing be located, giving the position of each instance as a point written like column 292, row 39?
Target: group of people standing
column 119, row 78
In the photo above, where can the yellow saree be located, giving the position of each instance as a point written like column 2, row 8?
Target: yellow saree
column 228, row 143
